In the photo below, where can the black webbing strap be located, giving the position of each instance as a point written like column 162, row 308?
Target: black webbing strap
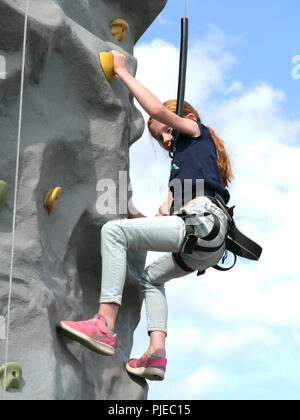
column 181, row 263
column 181, row 78
column 241, row 245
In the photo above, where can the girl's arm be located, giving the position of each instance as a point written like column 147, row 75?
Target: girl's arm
column 164, row 209
column 150, row 102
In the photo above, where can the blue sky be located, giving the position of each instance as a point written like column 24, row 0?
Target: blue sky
column 232, row 335
column 265, row 37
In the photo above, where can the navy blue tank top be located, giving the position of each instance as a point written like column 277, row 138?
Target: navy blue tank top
column 196, row 159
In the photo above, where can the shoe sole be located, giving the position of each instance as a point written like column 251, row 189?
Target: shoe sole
column 94, row 345
column 150, row 373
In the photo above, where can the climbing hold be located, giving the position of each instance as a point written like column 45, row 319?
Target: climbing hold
column 13, row 375
column 51, row 198
column 119, row 27
column 107, row 64
column 3, row 193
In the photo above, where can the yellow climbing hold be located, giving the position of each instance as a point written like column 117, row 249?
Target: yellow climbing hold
column 13, row 375
column 51, row 198
column 107, row 64
column 3, row 193
column 119, row 27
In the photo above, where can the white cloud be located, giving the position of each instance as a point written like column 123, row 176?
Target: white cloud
column 249, row 294
column 208, row 62
column 227, row 341
column 157, row 63
column 236, row 86
column 203, row 382
column 221, row 340
column 164, row 21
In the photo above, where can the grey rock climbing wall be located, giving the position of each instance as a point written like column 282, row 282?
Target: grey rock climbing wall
column 77, row 130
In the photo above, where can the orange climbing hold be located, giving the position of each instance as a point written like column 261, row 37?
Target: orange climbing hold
column 50, row 199
column 118, row 28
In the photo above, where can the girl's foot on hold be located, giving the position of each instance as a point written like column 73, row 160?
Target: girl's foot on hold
column 148, row 367
column 93, row 334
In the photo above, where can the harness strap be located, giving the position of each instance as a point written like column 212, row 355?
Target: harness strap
column 181, row 263
column 235, row 241
column 190, row 242
column 241, row 245
column 208, row 249
column 215, row 230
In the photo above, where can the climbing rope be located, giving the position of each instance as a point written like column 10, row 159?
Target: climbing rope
column 16, row 190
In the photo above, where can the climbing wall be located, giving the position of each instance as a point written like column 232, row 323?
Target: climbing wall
column 76, row 132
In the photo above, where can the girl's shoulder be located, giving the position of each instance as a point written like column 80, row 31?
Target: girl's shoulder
column 204, row 132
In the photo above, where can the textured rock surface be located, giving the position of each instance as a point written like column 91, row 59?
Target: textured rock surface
column 77, row 129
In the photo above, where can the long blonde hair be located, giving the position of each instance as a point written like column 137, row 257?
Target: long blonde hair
column 223, row 160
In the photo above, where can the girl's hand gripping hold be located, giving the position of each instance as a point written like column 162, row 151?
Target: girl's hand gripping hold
column 119, row 62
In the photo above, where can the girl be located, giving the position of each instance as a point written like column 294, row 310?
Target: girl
column 200, row 154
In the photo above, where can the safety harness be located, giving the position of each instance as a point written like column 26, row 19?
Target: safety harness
column 235, row 242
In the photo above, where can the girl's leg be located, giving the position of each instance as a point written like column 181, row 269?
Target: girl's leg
column 162, row 234
column 152, row 364
column 154, row 278
column 110, row 312
column 157, row 346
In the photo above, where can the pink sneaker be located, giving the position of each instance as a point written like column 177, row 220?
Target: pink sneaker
column 148, row 367
column 93, row 334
